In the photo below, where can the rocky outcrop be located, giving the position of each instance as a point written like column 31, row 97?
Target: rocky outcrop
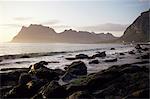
column 39, row 33
column 77, row 68
column 114, row 82
column 138, row 31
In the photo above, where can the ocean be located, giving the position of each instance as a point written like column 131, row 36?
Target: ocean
column 54, row 52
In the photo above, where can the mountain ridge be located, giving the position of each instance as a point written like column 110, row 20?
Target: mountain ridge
column 139, row 30
column 47, row 34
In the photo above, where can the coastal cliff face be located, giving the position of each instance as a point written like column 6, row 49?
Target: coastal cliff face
column 138, row 31
column 39, row 33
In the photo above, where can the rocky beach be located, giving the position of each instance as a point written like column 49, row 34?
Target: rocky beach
column 127, row 76
column 73, row 49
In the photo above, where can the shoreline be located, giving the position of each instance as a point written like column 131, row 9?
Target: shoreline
column 75, row 81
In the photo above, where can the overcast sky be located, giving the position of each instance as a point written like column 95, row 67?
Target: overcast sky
column 87, row 15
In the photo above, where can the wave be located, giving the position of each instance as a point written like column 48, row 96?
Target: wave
column 32, row 55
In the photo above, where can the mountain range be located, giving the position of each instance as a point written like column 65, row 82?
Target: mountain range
column 39, row 33
column 138, row 31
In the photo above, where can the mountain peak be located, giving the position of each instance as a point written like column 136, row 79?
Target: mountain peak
column 138, row 31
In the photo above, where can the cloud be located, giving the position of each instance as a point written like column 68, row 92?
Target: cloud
column 51, row 22
column 22, row 18
column 60, row 26
column 105, row 27
column 11, row 25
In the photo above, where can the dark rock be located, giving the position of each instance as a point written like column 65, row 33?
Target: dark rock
column 144, row 94
column 94, row 62
column 25, row 90
column 145, row 49
column 52, row 90
column 131, row 52
column 80, row 95
column 11, row 78
column 47, row 74
column 146, row 56
column 77, row 68
column 81, row 56
column 54, row 62
column 121, row 53
column 99, row 54
column 42, row 72
column 112, row 49
column 4, row 90
column 25, row 56
column 59, row 72
column 19, row 91
column 24, row 78
column 111, row 60
column 138, row 47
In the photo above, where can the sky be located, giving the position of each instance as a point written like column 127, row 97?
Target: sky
column 100, row 16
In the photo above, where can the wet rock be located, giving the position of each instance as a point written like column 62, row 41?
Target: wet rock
column 111, row 60
column 138, row 47
column 112, row 48
column 11, row 78
column 24, row 78
column 59, row 72
column 94, row 62
column 121, row 53
column 46, row 74
column 4, row 90
column 145, row 49
column 131, row 52
column 99, row 54
column 52, row 90
column 25, row 56
column 81, row 56
column 80, row 95
column 19, row 91
column 146, row 56
column 77, row 68
column 144, row 94
column 41, row 72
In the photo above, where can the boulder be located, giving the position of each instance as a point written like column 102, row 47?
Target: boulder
column 11, row 78
column 145, row 49
column 111, row 60
column 46, row 74
column 112, row 48
column 77, row 68
column 81, row 56
column 25, row 56
column 146, row 56
column 19, row 91
column 138, row 47
column 131, row 52
column 80, row 95
column 52, row 90
column 24, row 78
column 42, row 72
column 121, row 54
column 94, row 62
column 99, row 54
